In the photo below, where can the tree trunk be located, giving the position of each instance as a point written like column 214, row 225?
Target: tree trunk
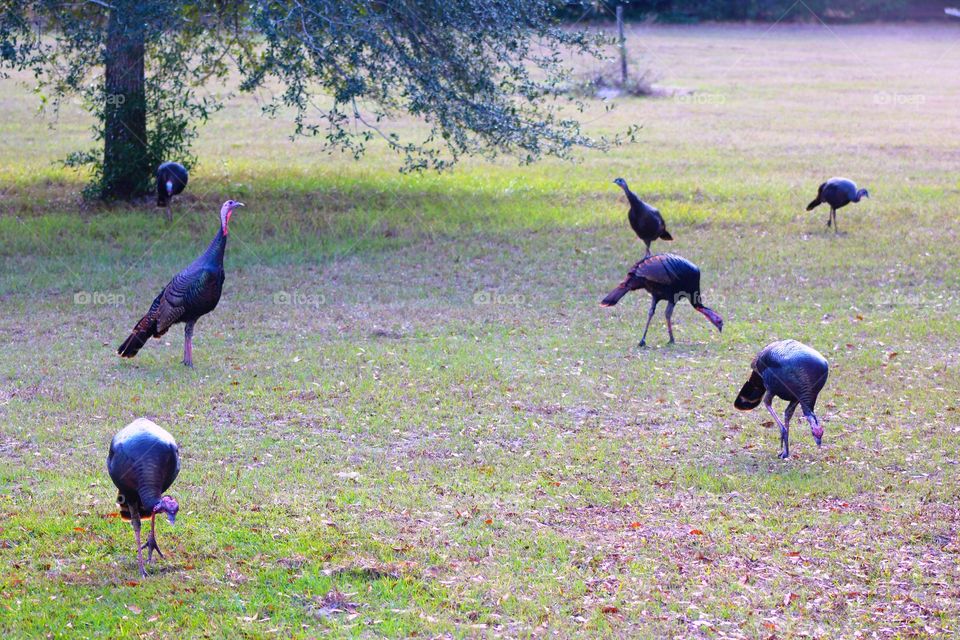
column 623, row 46
column 126, row 160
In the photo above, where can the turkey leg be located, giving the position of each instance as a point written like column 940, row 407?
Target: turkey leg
column 188, row 344
column 784, row 432
column 653, row 308
column 670, row 306
column 135, row 523
column 151, row 544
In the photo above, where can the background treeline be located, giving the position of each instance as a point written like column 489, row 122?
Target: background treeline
column 761, row 10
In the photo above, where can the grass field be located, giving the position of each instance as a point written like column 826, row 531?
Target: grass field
column 410, row 417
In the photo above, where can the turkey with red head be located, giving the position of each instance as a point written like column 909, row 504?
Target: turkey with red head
column 194, row 292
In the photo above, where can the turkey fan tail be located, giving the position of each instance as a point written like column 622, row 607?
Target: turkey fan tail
column 751, row 393
column 666, row 236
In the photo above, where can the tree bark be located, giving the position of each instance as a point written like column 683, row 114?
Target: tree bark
column 126, row 160
column 623, row 46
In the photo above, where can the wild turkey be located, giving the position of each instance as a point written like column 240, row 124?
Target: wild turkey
column 646, row 221
column 171, row 180
column 192, row 293
column 838, row 193
column 143, row 462
column 667, row 277
column 792, row 371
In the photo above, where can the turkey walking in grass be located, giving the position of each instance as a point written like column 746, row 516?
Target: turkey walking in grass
column 646, row 221
column 838, row 193
column 794, row 372
column 143, row 462
column 171, row 180
column 192, row 293
column 666, row 277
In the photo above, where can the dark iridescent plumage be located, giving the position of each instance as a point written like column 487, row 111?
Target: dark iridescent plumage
column 192, row 293
column 792, row 371
column 838, row 193
column 171, row 181
column 666, row 277
column 645, row 221
column 143, row 462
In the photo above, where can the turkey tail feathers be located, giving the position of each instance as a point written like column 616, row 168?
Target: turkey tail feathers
column 143, row 331
column 614, row 296
column 751, row 393
column 134, row 343
column 816, row 202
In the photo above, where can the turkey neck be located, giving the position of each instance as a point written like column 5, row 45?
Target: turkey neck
column 214, row 253
column 634, row 200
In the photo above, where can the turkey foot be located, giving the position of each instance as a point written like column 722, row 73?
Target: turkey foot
column 151, row 545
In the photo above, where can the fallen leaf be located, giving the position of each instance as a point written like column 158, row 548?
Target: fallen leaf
column 488, row 521
column 696, row 532
column 79, row 529
column 134, row 608
column 610, row 609
column 635, row 525
column 132, row 583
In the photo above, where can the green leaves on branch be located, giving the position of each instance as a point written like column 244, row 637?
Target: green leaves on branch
column 481, row 75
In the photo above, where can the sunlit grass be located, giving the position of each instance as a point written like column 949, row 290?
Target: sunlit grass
column 457, row 466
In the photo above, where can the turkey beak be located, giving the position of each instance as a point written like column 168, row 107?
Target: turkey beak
column 172, row 517
column 817, row 438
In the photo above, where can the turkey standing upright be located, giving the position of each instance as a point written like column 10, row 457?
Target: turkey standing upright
column 646, row 221
column 171, row 180
column 192, row 293
column 838, row 193
column 792, row 371
column 143, row 462
column 667, row 277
